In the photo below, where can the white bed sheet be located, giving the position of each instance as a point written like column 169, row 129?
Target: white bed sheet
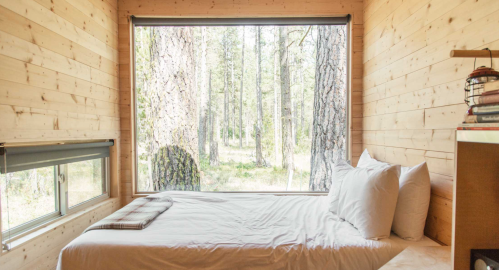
column 235, row 231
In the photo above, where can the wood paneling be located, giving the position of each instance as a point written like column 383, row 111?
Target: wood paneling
column 413, row 91
column 59, row 82
column 229, row 8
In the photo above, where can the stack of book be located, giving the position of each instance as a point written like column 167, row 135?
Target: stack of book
column 484, row 115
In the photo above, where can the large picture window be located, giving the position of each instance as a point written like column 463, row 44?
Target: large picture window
column 239, row 104
column 41, row 183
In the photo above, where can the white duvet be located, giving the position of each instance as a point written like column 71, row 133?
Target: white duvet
column 235, row 231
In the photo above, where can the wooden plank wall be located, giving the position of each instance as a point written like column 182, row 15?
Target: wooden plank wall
column 232, row 8
column 413, row 91
column 58, row 82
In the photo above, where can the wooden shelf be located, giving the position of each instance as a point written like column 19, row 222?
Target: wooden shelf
column 474, row 53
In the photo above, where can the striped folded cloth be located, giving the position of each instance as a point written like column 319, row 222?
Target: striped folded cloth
column 137, row 215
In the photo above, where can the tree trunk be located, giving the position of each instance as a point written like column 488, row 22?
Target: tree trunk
column 174, row 169
column 213, row 142
column 247, row 129
column 287, row 121
column 202, row 112
column 295, row 122
column 214, row 154
column 329, row 124
column 302, row 124
column 259, row 109
column 233, row 102
column 173, row 111
column 241, row 98
column 226, row 93
column 276, row 100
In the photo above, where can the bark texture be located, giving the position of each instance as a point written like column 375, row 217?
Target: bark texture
column 175, row 169
column 286, row 113
column 173, row 110
column 329, row 124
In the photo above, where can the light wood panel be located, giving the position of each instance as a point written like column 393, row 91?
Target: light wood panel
column 229, row 8
column 413, row 97
column 59, row 82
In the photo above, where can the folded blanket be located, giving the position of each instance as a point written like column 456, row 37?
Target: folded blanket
column 137, row 215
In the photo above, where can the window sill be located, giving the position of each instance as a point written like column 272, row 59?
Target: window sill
column 277, row 193
column 54, row 224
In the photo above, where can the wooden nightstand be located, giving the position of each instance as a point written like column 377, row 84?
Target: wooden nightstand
column 421, row 258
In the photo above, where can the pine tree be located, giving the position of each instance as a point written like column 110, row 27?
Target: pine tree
column 259, row 109
column 286, row 116
column 329, row 124
column 241, row 96
column 172, row 111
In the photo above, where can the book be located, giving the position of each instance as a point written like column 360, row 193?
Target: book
column 488, row 118
column 477, row 128
column 487, row 125
column 485, row 109
column 491, row 86
column 488, row 99
column 493, row 92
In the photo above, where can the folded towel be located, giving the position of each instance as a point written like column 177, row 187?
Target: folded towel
column 137, row 215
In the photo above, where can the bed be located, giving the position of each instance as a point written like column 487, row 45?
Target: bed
column 235, row 231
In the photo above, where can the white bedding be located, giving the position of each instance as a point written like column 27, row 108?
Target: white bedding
column 235, row 231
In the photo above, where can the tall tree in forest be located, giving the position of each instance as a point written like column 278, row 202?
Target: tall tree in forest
column 172, row 112
column 329, row 124
column 233, row 99
column 276, row 107
column 247, row 132
column 259, row 107
column 213, row 141
column 226, row 90
column 302, row 103
column 202, row 111
column 286, row 114
column 241, row 97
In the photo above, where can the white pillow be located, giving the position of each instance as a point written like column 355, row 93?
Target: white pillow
column 414, row 197
column 337, row 179
column 366, row 161
column 413, row 202
column 368, row 197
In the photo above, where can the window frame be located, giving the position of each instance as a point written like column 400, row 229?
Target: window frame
column 61, row 181
column 264, row 21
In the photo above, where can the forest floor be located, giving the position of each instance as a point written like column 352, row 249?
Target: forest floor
column 237, row 171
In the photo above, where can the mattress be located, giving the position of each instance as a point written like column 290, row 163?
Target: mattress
column 235, row 231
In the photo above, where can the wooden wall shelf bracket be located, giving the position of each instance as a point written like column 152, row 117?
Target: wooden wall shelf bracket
column 474, row 53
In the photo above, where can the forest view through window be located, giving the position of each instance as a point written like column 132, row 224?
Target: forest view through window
column 239, row 108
